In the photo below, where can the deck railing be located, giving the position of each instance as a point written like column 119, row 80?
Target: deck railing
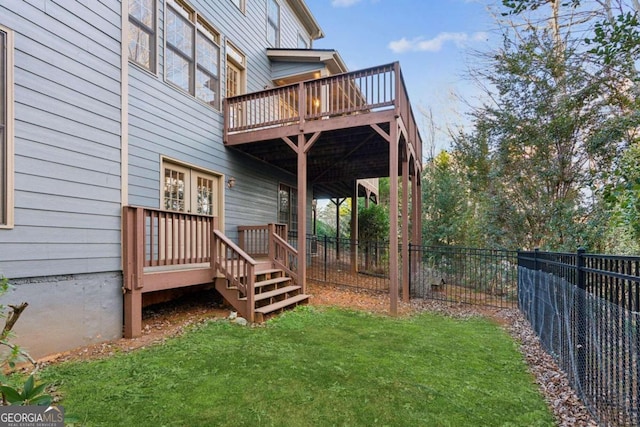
column 169, row 238
column 162, row 250
column 237, row 267
column 358, row 92
column 282, row 254
column 254, row 239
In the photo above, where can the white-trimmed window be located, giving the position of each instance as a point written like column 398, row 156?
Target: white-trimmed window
column 191, row 190
column 6, row 128
column 192, row 54
column 288, row 208
column 142, row 33
column 240, row 4
column 302, row 42
column 273, row 23
column 236, row 66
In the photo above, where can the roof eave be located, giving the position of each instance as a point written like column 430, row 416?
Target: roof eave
column 306, row 17
column 331, row 58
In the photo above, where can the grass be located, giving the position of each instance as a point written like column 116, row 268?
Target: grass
column 312, row 367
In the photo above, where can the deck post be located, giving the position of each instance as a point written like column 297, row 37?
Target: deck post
column 302, row 212
column 405, row 225
column 133, row 270
column 132, row 313
column 271, row 229
column 354, row 229
column 416, row 214
column 393, row 217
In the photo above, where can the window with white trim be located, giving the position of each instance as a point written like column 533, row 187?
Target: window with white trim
column 240, row 4
column 236, row 65
column 190, row 190
column 302, row 42
column 192, row 55
column 142, row 33
column 273, row 23
column 6, row 128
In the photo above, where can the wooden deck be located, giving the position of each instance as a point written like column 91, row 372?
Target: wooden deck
column 330, row 133
column 167, row 250
column 347, row 119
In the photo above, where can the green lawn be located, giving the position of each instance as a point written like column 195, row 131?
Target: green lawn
column 312, row 367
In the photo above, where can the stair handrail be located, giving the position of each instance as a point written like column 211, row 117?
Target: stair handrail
column 282, row 254
column 235, row 263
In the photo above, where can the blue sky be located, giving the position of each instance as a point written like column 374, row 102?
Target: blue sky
column 430, row 38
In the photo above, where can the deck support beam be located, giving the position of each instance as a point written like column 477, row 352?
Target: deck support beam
column 405, row 225
column 354, row 229
column 338, row 202
column 133, row 313
column 393, row 218
column 302, row 209
column 416, row 206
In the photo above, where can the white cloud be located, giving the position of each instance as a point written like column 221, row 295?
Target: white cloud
column 435, row 44
column 343, row 3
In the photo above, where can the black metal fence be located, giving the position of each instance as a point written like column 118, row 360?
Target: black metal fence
column 464, row 275
column 586, row 310
column 331, row 261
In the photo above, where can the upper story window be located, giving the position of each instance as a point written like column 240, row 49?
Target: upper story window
column 302, row 42
column 236, row 66
column 240, row 4
column 6, row 128
column 142, row 33
column 192, row 55
column 273, row 23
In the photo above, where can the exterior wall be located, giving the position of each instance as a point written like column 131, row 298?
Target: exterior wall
column 64, row 253
column 286, row 69
column 165, row 121
column 67, row 172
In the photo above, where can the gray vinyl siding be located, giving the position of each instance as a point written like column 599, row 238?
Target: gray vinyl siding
column 67, row 138
column 165, row 121
column 286, row 69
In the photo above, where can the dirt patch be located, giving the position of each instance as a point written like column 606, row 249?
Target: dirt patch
column 159, row 322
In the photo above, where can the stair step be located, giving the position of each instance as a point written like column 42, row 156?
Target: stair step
column 282, row 304
column 266, row 270
column 272, row 281
column 276, row 292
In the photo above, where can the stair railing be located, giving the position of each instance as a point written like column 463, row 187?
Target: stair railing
column 237, row 267
column 282, row 254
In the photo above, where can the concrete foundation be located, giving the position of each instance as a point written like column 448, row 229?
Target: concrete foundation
column 66, row 312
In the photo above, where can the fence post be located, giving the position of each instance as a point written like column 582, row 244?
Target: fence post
column 325, row 258
column 581, row 320
column 409, row 267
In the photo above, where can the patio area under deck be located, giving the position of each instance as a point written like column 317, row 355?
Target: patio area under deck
column 331, row 132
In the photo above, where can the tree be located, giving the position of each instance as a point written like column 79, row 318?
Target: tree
column 445, row 203
column 327, row 219
column 558, row 117
column 622, row 201
column 373, row 223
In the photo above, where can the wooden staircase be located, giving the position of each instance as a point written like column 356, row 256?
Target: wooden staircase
column 257, row 289
column 274, row 292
